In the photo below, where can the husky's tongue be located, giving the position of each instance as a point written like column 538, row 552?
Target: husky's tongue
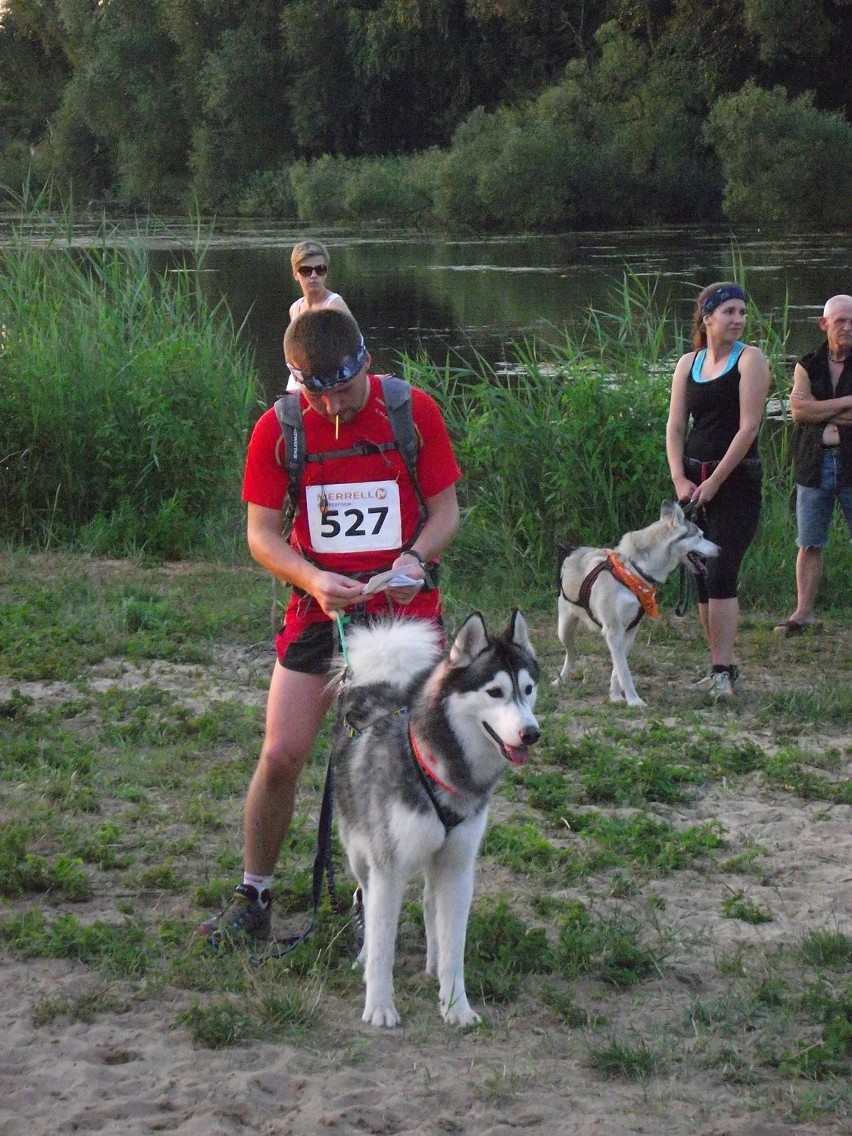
column 518, row 755
column 698, row 565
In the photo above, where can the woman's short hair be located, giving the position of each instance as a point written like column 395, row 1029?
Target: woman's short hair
column 304, row 249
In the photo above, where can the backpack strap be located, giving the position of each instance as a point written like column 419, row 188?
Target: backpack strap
column 397, row 396
column 290, row 453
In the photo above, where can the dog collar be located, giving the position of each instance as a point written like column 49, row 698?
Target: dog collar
column 644, row 592
column 430, row 781
column 425, row 764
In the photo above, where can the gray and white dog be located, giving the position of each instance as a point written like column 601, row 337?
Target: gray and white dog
column 592, row 591
column 423, row 739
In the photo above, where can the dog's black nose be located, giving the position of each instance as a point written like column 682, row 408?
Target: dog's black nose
column 530, row 735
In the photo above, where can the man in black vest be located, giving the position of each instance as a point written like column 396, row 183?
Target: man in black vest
column 821, row 407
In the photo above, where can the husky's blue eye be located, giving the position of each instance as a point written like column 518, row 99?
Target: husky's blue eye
column 494, row 692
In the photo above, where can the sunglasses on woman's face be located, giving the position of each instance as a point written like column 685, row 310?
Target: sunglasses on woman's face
column 309, row 269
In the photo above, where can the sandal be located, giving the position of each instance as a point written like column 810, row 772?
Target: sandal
column 792, row 627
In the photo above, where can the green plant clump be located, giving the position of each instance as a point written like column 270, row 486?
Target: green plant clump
column 125, row 400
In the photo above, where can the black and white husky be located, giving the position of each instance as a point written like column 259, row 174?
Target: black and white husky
column 422, row 741
column 590, row 592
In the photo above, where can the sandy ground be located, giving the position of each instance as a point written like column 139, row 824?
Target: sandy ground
column 131, row 1070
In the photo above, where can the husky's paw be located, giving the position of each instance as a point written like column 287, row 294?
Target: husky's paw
column 637, row 702
column 384, row 1017
column 557, row 682
column 461, row 1017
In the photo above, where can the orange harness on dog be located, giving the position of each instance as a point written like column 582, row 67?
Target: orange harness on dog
column 644, row 592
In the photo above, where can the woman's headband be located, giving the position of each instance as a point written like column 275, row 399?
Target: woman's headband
column 720, row 296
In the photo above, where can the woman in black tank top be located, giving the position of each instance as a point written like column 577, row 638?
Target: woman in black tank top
column 719, row 392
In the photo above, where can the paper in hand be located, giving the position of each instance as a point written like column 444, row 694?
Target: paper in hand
column 390, row 579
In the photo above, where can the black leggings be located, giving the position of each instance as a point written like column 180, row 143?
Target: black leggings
column 730, row 520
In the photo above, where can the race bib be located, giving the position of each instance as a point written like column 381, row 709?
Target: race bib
column 362, row 517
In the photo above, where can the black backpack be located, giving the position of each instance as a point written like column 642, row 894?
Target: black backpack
column 292, row 455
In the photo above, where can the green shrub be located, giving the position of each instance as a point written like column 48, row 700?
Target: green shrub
column 778, row 155
column 125, row 401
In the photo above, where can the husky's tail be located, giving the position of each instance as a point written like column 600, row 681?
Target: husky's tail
column 392, row 651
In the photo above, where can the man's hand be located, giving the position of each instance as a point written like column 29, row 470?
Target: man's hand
column 406, row 565
column 335, row 593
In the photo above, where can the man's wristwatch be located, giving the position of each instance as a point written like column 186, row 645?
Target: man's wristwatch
column 418, row 556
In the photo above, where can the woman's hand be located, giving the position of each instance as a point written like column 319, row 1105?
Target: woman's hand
column 684, row 489
column 704, row 493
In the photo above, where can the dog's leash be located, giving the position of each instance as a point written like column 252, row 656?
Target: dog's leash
column 323, row 869
column 686, row 590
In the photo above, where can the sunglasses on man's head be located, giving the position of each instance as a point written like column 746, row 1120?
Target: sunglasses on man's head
column 309, row 269
column 346, row 371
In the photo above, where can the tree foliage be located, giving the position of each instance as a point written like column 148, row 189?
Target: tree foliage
column 487, row 113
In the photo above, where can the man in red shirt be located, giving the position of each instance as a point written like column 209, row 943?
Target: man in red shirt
column 358, row 513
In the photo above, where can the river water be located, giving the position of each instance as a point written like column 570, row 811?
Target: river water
column 454, row 298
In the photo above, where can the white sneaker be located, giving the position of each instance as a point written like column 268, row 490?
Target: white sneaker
column 721, row 686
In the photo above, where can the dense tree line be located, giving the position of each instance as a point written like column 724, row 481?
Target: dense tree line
column 491, row 113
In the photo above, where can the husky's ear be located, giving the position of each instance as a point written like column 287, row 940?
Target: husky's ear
column 671, row 510
column 517, row 631
column 471, row 640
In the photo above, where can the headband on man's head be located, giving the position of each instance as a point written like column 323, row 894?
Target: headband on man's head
column 721, row 296
column 344, row 373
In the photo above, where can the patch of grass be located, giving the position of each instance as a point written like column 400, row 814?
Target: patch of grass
column 644, row 840
column 830, row 1054
column 101, row 846
column 83, row 1007
column 608, row 949
column 281, row 1014
column 826, row 948
column 619, row 1060
column 501, row 951
column 521, row 847
column 123, row 950
column 633, row 780
column 785, row 771
column 830, row 704
column 737, row 905
column 23, row 872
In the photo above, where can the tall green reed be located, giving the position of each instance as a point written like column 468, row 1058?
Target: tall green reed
column 125, row 398
column 567, row 443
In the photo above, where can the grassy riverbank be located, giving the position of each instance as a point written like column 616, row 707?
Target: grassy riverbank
column 126, row 399
column 659, row 938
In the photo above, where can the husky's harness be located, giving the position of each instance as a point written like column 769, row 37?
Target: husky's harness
column 644, row 589
column 430, row 780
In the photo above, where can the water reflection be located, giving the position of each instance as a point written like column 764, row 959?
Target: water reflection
column 459, row 298
column 452, row 298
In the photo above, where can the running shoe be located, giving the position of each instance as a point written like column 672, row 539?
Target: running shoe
column 245, row 917
column 721, row 686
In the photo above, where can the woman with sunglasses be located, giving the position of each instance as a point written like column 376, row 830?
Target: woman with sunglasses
column 310, row 262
